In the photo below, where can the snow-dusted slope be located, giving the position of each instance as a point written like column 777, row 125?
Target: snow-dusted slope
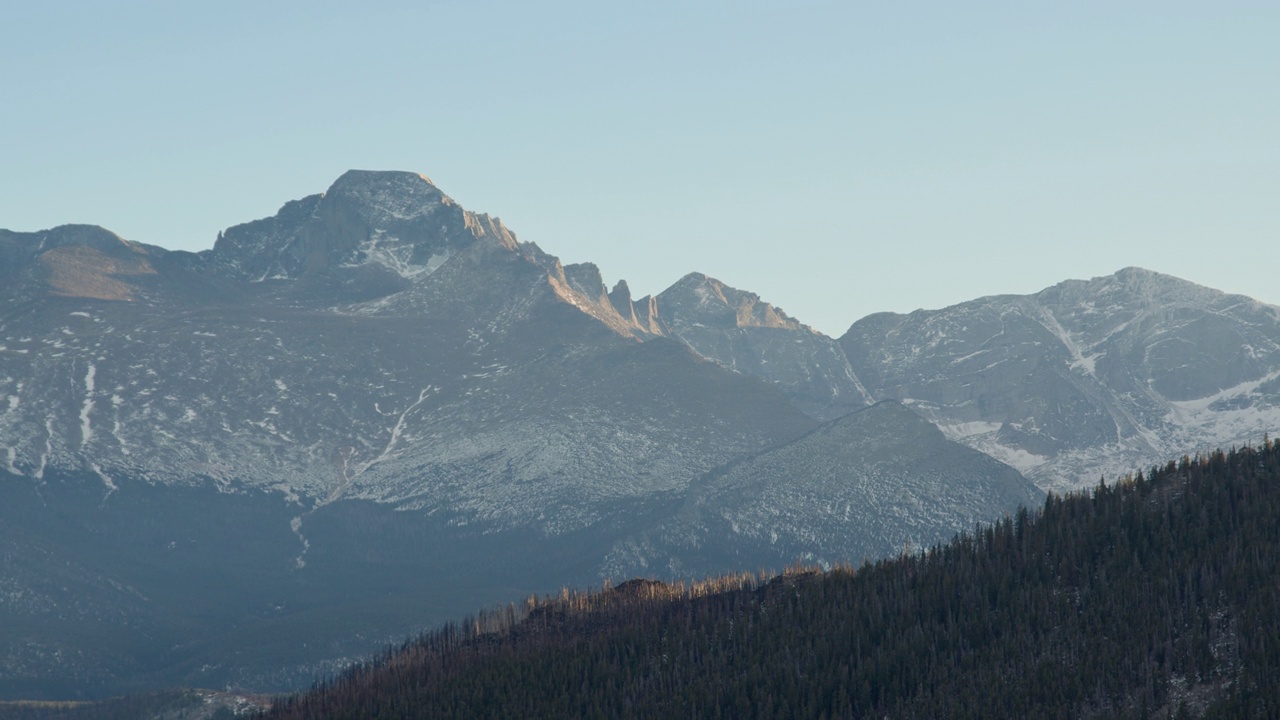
column 379, row 329
column 396, row 222
column 860, row 487
column 1084, row 378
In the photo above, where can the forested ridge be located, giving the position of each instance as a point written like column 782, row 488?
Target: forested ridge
column 1157, row 596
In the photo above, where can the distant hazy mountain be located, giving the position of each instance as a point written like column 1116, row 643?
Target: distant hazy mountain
column 1084, row 378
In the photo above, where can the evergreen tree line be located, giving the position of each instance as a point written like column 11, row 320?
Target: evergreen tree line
column 1157, row 597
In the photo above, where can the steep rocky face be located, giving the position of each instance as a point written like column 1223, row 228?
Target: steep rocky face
column 1086, row 377
column 399, row 222
column 700, row 301
column 747, row 335
column 860, row 487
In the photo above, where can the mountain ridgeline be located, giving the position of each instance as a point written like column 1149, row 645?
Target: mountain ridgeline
column 375, row 410
column 1154, row 597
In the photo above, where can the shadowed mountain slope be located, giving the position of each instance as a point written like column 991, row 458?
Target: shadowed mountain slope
column 863, row 486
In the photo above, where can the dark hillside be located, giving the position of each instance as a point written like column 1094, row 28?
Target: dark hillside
column 1155, row 597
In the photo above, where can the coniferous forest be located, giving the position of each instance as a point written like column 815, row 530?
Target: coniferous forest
column 1155, row 596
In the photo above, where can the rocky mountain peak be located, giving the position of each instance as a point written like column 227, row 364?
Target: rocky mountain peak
column 381, row 230
column 85, row 261
column 1131, row 288
column 621, row 290
column 620, row 299
column 387, row 196
column 1083, row 378
column 94, row 236
column 740, row 331
column 586, row 279
column 697, row 299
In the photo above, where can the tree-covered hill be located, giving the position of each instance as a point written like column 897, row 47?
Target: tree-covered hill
column 1158, row 596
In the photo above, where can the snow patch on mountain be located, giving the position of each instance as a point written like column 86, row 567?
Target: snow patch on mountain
column 397, row 256
column 1187, row 411
column 107, row 481
column 86, row 429
column 387, row 451
column 48, row 450
column 295, row 525
column 958, row 431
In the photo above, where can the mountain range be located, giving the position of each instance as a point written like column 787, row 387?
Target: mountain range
column 376, row 410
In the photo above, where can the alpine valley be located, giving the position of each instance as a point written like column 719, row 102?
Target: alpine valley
column 375, row 411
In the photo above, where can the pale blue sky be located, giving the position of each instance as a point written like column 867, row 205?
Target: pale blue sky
column 837, row 158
